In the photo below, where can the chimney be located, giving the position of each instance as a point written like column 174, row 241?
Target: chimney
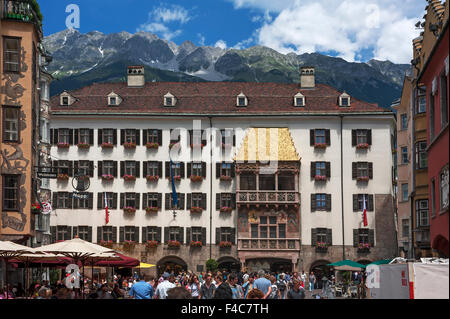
column 307, row 77
column 136, row 76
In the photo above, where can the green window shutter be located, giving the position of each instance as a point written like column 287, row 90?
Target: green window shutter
column 99, row 234
column 114, row 235
column 188, row 235
column 355, row 203
column 313, row 236
column 372, row 237
column 329, row 202
column 313, row 203
column 330, row 237
column 218, row 202
column 204, row 236
column 121, row 234
column 370, row 208
column 217, row 236
column 353, row 137
column 144, row 232
column 355, row 237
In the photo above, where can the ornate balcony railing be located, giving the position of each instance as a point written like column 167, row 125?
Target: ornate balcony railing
column 21, row 10
column 280, row 197
column 269, row 244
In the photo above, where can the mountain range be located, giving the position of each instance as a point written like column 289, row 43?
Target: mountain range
column 81, row 59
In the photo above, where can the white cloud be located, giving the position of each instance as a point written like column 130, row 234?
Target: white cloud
column 221, row 44
column 201, row 40
column 347, row 28
column 160, row 17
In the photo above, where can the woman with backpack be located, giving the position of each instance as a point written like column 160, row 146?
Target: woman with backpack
column 275, row 294
column 282, row 286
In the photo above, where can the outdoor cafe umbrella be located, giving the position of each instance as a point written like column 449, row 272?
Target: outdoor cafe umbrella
column 347, row 265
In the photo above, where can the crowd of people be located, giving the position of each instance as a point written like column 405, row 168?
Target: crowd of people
column 207, row 285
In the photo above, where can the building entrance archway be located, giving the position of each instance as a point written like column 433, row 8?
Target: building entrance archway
column 229, row 264
column 320, row 269
column 171, row 264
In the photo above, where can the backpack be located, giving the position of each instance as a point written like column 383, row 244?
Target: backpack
column 274, row 293
column 281, row 285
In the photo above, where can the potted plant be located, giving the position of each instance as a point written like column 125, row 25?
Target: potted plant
column 225, row 244
column 129, row 178
column 151, row 178
column 107, row 145
column 362, row 178
column 225, row 178
column 362, row 146
column 154, row 146
column 83, row 145
column 363, row 247
column 129, row 244
column 63, row 177
column 35, row 208
column 129, row 145
column 129, row 210
column 320, row 178
column 107, row 244
column 196, row 179
column 321, row 246
column 196, row 244
column 151, row 209
column 151, row 244
column 212, row 265
column 63, row 145
column 196, row 210
column 173, row 244
column 226, row 209
column 320, row 145
column 107, row 177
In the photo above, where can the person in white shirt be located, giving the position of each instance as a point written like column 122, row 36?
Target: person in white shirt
column 167, row 284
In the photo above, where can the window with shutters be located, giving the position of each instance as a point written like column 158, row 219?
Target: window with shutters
column 367, row 199
column 286, row 181
column 176, row 169
column 248, row 181
column 11, row 192
column 130, row 136
column 152, row 169
column 227, row 138
column 225, row 234
column 421, row 155
column 83, row 233
column 267, row 182
column 82, row 202
column 422, row 217
column 362, row 137
column 197, row 199
column 362, row 170
column 225, row 169
column 129, row 233
column 197, row 169
column 319, row 137
column 108, row 168
column 84, row 136
column 175, row 233
column 363, row 236
column 197, row 137
column 84, row 167
column 152, row 200
column 109, row 200
column 108, row 136
column 11, row 47
column 11, row 130
column 226, row 200
column 321, row 169
column 63, row 233
column 321, row 201
column 180, row 203
column 130, row 200
column 152, row 136
column 64, row 167
column 130, row 168
column 64, row 200
column 322, row 236
column 64, row 136
column 107, row 233
column 196, row 234
column 152, row 234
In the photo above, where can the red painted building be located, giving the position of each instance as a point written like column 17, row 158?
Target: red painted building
column 436, row 80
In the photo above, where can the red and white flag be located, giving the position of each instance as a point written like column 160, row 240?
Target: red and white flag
column 365, row 212
column 106, row 211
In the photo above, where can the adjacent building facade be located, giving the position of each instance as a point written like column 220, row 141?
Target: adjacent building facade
column 270, row 176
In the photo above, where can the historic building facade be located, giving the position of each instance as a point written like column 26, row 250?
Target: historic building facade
column 267, row 175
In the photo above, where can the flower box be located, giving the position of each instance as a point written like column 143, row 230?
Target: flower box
column 129, row 178
column 107, row 244
column 196, row 244
column 151, row 209
column 151, row 178
column 196, row 179
column 320, row 178
column 362, row 146
column 107, row 177
column 196, row 210
column 129, row 145
column 154, row 146
column 173, row 244
column 197, row 145
column 321, row 245
column 63, row 177
column 63, row 145
column 151, row 244
column 225, row 178
column 226, row 209
column 320, row 145
column 83, row 145
column 129, row 244
column 176, row 178
column 36, row 208
column 225, row 244
column 362, row 246
column 129, row 210
column 107, row 145
column 363, row 179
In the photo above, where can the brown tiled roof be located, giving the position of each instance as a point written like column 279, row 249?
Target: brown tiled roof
column 209, row 98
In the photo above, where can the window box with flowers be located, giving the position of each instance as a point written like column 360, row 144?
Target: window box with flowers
column 320, row 145
column 196, row 244
column 196, row 210
column 319, row 178
column 62, row 177
column 173, row 244
column 83, row 146
column 196, row 179
column 106, row 243
column 152, row 146
column 225, row 244
column 363, row 247
column 151, row 178
column 151, row 209
column 36, row 208
column 129, row 145
column 152, row 244
column 362, row 146
column 175, row 178
column 224, row 178
column 363, row 178
column 107, row 145
column 129, row 210
column 226, row 209
column 197, row 145
column 63, row 145
column 321, row 247
column 107, row 177
column 129, row 244
column 129, row 178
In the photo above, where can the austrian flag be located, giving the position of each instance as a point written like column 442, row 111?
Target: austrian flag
column 365, row 212
column 106, row 211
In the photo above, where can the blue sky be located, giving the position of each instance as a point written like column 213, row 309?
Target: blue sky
column 352, row 29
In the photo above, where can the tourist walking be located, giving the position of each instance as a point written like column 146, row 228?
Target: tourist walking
column 263, row 284
column 312, row 281
column 297, row 292
column 223, row 290
column 282, row 286
column 207, row 289
column 168, row 283
column 194, row 287
column 236, row 289
column 142, row 289
column 275, row 293
column 248, row 284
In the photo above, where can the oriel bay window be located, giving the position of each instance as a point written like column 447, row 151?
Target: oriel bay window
column 11, row 130
column 421, row 155
column 10, row 192
column 422, row 214
column 247, row 181
column 286, row 181
column 267, row 182
column 268, row 227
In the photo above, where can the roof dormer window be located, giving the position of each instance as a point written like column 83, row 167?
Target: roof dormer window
column 114, row 99
column 344, row 100
column 66, row 99
column 299, row 100
column 169, row 100
column 242, row 100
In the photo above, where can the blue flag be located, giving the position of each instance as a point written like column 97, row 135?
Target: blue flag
column 174, row 191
